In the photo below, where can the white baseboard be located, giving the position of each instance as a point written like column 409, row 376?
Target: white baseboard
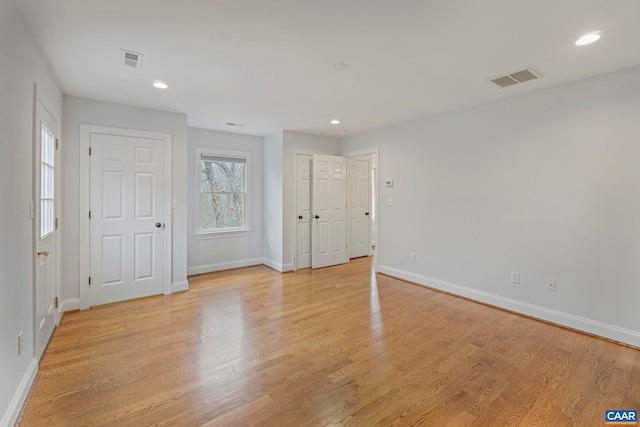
column 287, row 267
column 13, row 411
column 180, row 286
column 275, row 265
column 594, row 327
column 208, row 268
column 68, row 305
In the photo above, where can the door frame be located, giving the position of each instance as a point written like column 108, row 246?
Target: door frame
column 358, row 153
column 86, row 130
column 57, row 191
column 294, row 198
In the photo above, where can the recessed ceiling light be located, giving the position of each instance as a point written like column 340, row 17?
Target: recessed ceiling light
column 160, row 85
column 339, row 66
column 335, row 122
column 587, row 38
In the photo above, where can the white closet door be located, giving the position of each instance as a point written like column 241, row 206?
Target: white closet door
column 303, row 209
column 359, row 207
column 329, row 207
column 127, row 217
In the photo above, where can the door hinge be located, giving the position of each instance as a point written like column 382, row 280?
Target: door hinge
column 57, row 143
column 89, row 214
column 56, row 302
column 89, row 150
column 89, row 280
column 56, row 223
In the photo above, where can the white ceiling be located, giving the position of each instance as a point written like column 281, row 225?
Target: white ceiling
column 268, row 64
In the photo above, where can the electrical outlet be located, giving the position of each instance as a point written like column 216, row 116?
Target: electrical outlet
column 220, row 248
column 515, row 277
column 412, row 256
column 389, row 201
column 20, row 343
column 551, row 284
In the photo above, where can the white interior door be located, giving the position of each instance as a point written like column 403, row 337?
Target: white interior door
column 303, row 209
column 359, row 207
column 329, row 207
column 127, row 217
column 45, row 229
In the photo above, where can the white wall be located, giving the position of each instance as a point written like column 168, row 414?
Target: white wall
column 238, row 251
column 21, row 66
column 272, row 247
column 544, row 184
column 294, row 141
column 79, row 111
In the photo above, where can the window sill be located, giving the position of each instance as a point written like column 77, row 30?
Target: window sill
column 203, row 235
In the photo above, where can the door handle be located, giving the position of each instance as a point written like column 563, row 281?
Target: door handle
column 299, row 216
column 158, row 225
column 317, row 217
column 39, row 252
column 366, row 213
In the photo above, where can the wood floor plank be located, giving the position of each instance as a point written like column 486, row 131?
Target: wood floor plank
column 333, row 347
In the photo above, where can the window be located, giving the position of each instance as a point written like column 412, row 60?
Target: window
column 222, row 190
column 46, row 182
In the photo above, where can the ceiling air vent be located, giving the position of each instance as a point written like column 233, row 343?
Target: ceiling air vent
column 132, row 59
column 516, row 78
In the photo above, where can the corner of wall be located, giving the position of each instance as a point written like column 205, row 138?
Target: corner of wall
column 273, row 264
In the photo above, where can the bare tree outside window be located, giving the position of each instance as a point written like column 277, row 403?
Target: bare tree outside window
column 223, row 192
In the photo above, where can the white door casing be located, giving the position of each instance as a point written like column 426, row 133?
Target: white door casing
column 359, row 172
column 45, row 230
column 329, row 207
column 127, row 217
column 303, row 210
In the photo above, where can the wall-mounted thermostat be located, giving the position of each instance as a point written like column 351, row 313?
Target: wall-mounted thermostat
column 388, row 183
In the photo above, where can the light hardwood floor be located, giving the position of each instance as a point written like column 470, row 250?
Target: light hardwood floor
column 332, row 347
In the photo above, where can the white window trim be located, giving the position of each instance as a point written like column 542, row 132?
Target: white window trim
column 230, row 232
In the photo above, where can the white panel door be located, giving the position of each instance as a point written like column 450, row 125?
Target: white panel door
column 359, row 172
column 329, row 207
column 127, row 217
column 303, row 209
column 45, row 227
